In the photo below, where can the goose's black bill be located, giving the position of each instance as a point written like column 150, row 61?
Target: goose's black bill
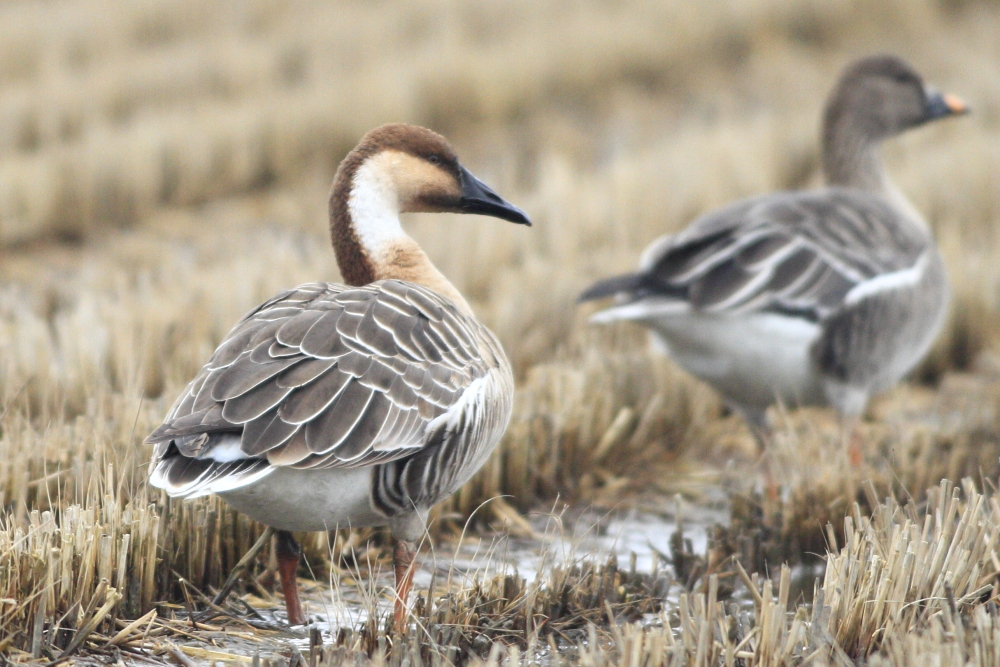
column 479, row 198
column 942, row 105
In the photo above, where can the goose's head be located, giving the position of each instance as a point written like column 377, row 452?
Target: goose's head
column 402, row 169
column 880, row 96
column 412, row 169
column 876, row 98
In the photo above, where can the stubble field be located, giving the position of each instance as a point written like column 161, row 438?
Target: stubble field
column 164, row 167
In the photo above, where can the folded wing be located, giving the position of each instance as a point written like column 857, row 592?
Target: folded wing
column 795, row 253
column 322, row 376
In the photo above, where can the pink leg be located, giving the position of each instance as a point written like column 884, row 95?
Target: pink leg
column 288, row 552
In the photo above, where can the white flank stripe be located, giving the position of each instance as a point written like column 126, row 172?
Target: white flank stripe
column 888, row 281
column 230, row 482
column 641, row 310
column 474, row 393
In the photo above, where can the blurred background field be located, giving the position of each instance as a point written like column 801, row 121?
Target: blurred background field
column 164, row 167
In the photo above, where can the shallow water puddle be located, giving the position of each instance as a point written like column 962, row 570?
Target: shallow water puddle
column 557, row 541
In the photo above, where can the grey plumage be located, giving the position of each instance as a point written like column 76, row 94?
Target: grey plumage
column 329, row 376
column 797, row 252
column 821, row 297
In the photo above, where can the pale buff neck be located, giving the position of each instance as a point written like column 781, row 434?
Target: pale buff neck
column 404, row 260
column 370, row 223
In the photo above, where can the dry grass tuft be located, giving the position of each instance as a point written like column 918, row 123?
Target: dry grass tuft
column 915, row 438
column 909, row 585
column 907, row 579
column 69, row 572
column 557, row 608
column 592, row 428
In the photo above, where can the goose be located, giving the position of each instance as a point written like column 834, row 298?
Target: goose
column 356, row 404
column 818, row 297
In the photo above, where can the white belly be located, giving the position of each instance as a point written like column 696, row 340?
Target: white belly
column 309, row 500
column 753, row 359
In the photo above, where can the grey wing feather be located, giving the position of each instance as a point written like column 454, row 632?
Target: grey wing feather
column 798, row 253
column 328, row 375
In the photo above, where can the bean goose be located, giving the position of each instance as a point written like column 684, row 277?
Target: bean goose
column 815, row 297
column 357, row 404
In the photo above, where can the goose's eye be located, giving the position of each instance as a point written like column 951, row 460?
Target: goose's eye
column 434, row 159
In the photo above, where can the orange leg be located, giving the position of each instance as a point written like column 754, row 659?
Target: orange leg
column 852, row 438
column 288, row 552
column 403, row 554
column 854, row 452
column 771, row 487
column 760, row 427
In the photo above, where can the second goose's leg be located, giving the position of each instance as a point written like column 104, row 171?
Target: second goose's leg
column 763, row 433
column 288, row 553
column 851, row 437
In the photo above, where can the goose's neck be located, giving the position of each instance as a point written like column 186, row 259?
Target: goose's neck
column 369, row 240
column 852, row 161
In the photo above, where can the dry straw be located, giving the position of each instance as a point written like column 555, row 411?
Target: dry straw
column 909, row 587
column 164, row 167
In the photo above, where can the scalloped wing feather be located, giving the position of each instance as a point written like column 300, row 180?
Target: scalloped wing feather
column 789, row 252
column 329, row 375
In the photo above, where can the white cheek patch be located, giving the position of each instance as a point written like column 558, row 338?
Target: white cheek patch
column 374, row 205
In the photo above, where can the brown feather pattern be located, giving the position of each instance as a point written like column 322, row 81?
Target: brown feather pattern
column 790, row 252
column 331, row 375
